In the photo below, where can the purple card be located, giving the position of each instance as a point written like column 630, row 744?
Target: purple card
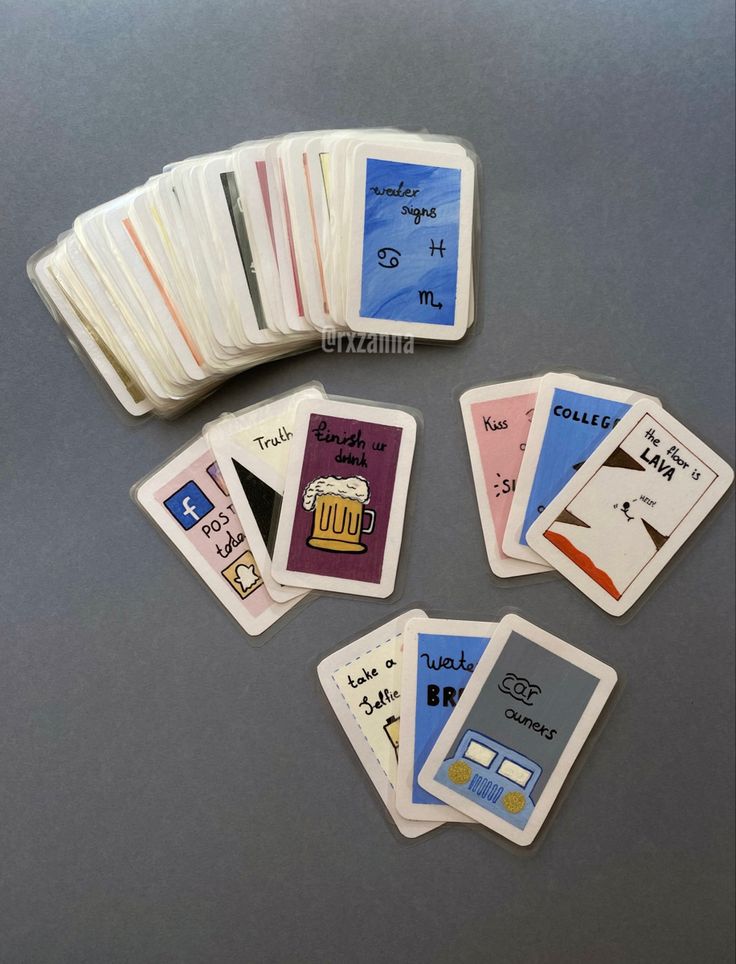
column 343, row 510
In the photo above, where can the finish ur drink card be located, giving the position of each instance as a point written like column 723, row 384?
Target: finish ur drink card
column 362, row 683
column 437, row 659
column 624, row 515
column 342, row 515
column 526, row 712
column 571, row 417
column 497, row 421
column 188, row 500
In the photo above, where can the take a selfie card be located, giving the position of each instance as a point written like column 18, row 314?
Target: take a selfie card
column 410, row 241
column 438, row 657
column 526, row 712
column 342, row 515
column 187, row 499
column 252, row 449
column 639, row 497
column 571, row 418
column 362, row 683
column 497, row 421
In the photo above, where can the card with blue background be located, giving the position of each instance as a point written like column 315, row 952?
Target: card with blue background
column 572, row 416
column 411, row 240
column 439, row 656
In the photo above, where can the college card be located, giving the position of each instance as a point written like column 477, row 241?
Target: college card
column 497, row 420
column 188, row 500
column 437, row 659
column 410, row 239
column 639, row 497
column 252, row 449
column 526, row 712
column 361, row 681
column 572, row 416
column 347, row 481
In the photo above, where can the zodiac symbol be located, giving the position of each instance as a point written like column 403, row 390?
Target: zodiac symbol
column 437, row 247
column 393, row 259
column 427, row 298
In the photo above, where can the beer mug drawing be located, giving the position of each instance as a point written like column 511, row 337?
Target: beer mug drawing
column 339, row 513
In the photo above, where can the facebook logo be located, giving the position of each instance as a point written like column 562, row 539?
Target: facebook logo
column 188, row 505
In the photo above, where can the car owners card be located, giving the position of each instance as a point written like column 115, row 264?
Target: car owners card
column 410, row 241
column 526, row 712
column 497, row 420
column 188, row 500
column 362, row 683
column 639, row 497
column 571, row 417
column 342, row 515
column 437, row 659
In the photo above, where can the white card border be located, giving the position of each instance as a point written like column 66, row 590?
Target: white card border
column 407, row 732
column 425, row 156
column 335, row 661
column 501, row 564
column 394, row 535
column 525, row 480
column 707, row 502
column 143, row 494
column 607, row 677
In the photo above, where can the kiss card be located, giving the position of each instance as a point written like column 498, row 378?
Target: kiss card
column 497, row 420
column 526, row 712
column 342, row 515
column 410, row 239
column 437, row 659
column 624, row 515
column 361, row 681
column 572, row 416
column 252, row 449
column 188, row 500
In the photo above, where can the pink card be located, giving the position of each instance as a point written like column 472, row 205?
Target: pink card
column 497, row 420
column 188, row 500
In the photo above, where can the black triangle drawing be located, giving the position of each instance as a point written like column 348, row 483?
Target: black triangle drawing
column 657, row 538
column 570, row 519
column 618, row 459
column 578, row 465
column 265, row 503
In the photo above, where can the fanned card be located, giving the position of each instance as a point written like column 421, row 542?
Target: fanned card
column 527, row 710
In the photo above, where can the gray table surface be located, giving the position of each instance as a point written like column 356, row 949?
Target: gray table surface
column 170, row 793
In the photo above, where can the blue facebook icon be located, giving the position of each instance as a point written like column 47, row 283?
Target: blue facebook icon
column 188, row 505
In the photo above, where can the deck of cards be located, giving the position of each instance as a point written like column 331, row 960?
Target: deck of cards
column 225, row 261
column 457, row 721
column 594, row 480
column 299, row 493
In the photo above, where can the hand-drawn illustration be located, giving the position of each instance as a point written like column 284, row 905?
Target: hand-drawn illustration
column 593, row 537
column 493, row 775
column 243, row 575
column 339, row 511
column 391, row 729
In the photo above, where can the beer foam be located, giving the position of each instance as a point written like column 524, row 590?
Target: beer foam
column 355, row 488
